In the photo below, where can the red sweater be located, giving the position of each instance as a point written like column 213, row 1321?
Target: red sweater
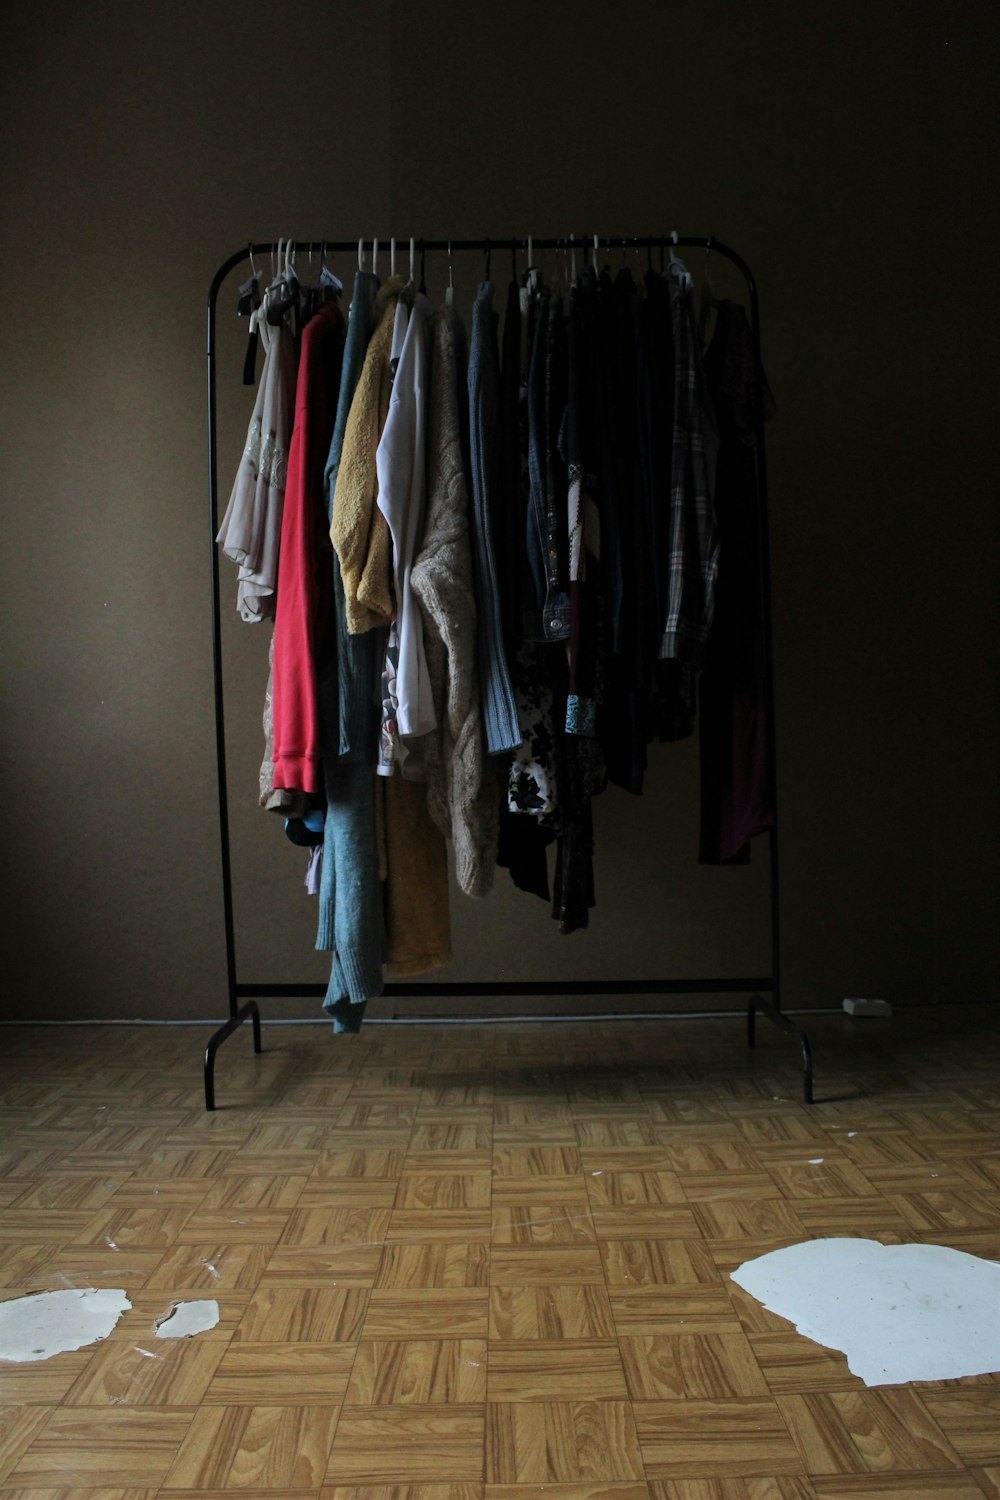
column 302, row 612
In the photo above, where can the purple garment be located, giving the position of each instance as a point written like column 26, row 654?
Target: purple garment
column 737, row 798
column 314, row 870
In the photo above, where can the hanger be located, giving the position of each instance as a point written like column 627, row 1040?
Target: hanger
column 285, row 289
column 392, row 257
column 412, row 262
column 532, row 277
column 709, row 301
column 249, row 293
column 248, row 306
column 361, row 255
column 678, row 270
column 449, row 296
column 374, row 257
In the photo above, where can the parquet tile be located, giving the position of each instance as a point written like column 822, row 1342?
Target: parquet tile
column 560, row 1370
column 486, row 1263
column 402, row 1492
column 407, row 1444
column 409, row 1226
column 110, row 1446
column 290, row 1315
column 940, row 1485
column 536, row 1442
column 550, row 1312
column 152, row 1372
column 594, row 1490
column 300, row 1374
column 441, row 1263
column 418, row 1372
column 756, row 1487
column 512, row 1266
column 714, row 1438
column 337, row 1265
column 253, row 1448
column 676, row 1309
column 970, row 1416
column 637, row 1262
column 844, row 1432
column 543, row 1223
column 437, row 1312
column 701, row 1365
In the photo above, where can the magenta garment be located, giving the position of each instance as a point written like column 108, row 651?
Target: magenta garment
column 737, row 799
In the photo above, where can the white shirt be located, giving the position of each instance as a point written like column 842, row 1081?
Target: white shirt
column 400, row 463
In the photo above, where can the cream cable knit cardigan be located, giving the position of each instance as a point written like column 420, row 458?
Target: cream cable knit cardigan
column 462, row 790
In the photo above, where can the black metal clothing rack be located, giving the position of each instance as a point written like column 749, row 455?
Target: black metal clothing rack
column 763, row 990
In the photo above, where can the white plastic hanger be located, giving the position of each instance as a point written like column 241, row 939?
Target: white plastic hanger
column 374, row 257
column 361, row 255
column 677, row 267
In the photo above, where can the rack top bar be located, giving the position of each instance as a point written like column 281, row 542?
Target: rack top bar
column 583, row 242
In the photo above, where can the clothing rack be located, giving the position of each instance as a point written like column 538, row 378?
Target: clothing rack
column 763, row 990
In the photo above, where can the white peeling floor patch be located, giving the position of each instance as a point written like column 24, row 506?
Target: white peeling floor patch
column 188, row 1318
column 899, row 1312
column 47, row 1323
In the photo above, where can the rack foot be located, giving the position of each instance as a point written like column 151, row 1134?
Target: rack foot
column 775, row 1014
column 233, row 1024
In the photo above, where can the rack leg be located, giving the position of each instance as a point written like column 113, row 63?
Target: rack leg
column 215, row 1042
column 775, row 1014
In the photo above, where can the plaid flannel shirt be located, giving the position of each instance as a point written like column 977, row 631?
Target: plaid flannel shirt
column 694, row 543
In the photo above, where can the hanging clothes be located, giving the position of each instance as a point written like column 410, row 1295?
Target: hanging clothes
column 528, row 816
column 302, row 618
column 629, row 517
column 251, row 527
column 401, row 467
column 462, row 790
column 418, row 918
column 499, row 707
column 737, row 799
column 358, row 528
column 356, row 654
column 391, row 750
column 694, row 545
column 541, row 557
column 351, row 919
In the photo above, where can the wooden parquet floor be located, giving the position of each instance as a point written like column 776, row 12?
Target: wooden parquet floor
column 486, row 1262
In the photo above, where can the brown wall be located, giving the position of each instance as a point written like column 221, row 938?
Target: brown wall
column 847, row 150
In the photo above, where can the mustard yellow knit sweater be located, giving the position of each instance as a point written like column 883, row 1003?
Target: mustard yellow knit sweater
column 358, row 529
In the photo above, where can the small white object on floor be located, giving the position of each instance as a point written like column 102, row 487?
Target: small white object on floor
column 47, row 1323
column 859, row 1007
column 899, row 1312
column 188, row 1318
